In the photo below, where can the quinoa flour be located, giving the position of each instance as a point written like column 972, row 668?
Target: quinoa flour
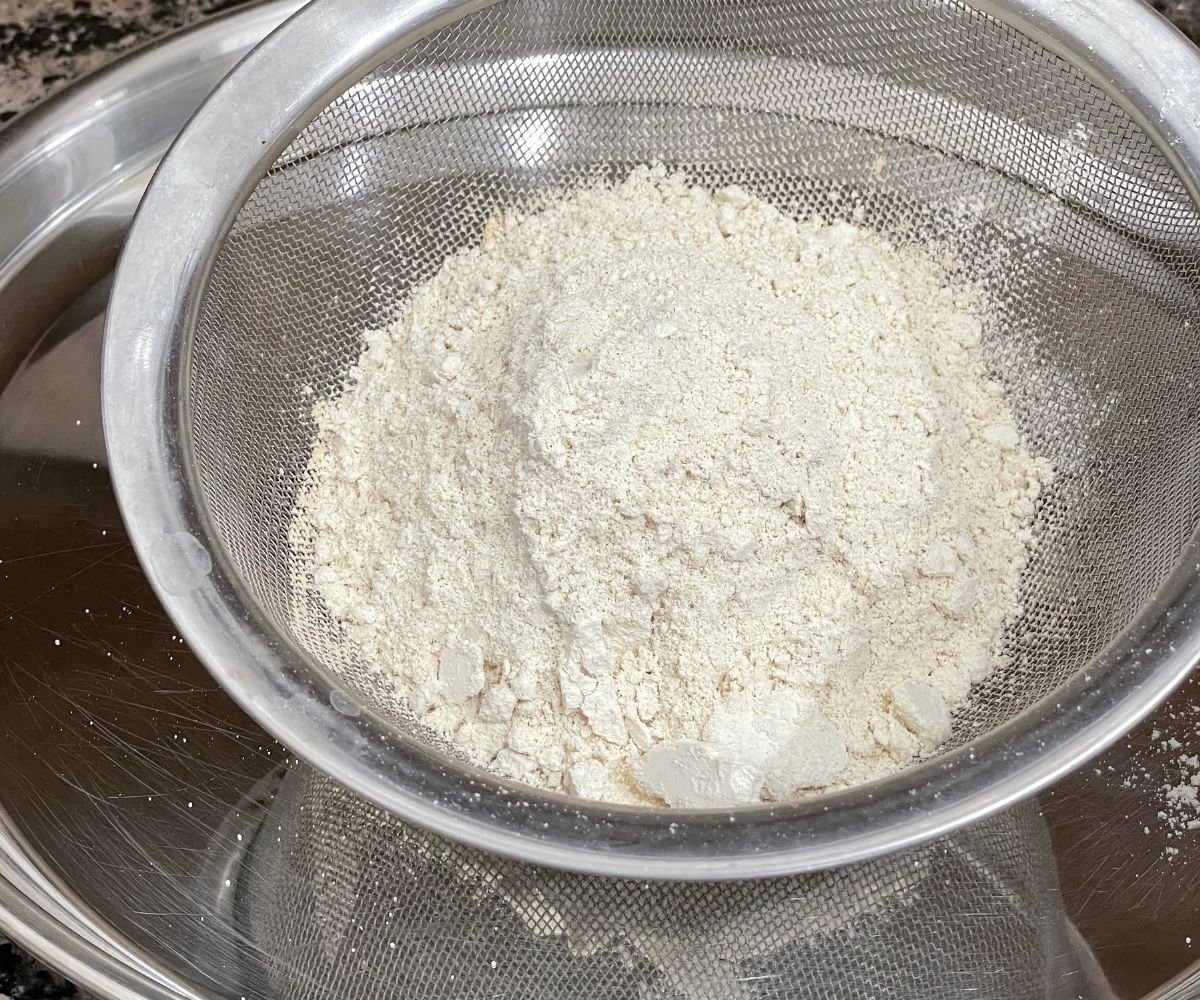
column 659, row 495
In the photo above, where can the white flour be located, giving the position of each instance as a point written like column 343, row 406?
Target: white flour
column 660, row 495
column 1181, row 796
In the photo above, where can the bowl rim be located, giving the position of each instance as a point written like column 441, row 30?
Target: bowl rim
column 204, row 180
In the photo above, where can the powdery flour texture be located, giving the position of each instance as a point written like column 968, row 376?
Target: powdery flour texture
column 660, row 495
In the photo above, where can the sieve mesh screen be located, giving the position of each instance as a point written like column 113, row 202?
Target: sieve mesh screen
column 347, row 900
column 931, row 119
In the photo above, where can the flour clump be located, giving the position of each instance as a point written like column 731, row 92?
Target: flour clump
column 660, row 495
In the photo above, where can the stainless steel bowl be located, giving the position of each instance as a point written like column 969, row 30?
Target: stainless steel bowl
column 131, row 786
column 71, row 174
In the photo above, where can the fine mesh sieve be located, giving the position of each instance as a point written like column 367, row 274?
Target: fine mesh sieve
column 357, row 148
column 336, row 897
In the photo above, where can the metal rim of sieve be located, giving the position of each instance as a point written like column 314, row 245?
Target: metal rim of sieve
column 1123, row 47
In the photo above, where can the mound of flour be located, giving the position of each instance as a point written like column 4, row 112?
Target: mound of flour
column 658, row 494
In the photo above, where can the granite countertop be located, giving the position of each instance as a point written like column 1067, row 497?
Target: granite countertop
column 1185, row 13
column 46, row 44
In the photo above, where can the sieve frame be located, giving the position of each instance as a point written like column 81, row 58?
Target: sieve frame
column 1138, row 58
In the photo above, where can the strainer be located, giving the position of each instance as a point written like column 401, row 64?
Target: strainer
column 334, row 897
column 1055, row 145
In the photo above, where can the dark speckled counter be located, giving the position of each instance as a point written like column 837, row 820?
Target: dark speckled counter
column 1185, row 13
column 46, row 44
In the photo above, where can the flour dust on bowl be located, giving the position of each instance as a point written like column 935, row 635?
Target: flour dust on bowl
column 1025, row 161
